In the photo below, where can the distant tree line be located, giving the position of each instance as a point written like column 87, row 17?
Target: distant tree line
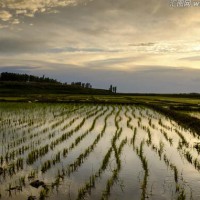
column 81, row 85
column 6, row 76
column 15, row 77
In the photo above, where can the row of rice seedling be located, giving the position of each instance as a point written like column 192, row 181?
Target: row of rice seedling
column 69, row 133
column 19, row 151
column 51, row 146
column 80, row 159
column 25, row 120
column 40, row 114
column 179, row 187
column 143, row 159
column 82, row 156
column 23, row 140
column 42, row 147
column 180, row 183
column 115, row 173
column 13, row 154
column 86, row 189
column 139, row 152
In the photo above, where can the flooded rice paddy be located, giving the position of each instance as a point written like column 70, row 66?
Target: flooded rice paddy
column 82, row 151
column 194, row 114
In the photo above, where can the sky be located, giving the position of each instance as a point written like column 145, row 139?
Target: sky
column 141, row 46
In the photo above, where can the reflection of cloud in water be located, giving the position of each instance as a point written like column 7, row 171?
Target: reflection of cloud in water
column 11, row 9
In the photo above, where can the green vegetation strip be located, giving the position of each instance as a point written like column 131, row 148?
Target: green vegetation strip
column 186, row 121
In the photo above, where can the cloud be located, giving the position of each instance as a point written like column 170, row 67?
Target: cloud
column 192, row 58
column 101, row 41
column 75, row 49
column 5, row 15
column 17, row 69
column 29, row 8
column 143, row 44
column 101, row 25
column 20, row 45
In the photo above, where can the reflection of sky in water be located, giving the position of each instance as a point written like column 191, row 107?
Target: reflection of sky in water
column 195, row 114
column 161, row 184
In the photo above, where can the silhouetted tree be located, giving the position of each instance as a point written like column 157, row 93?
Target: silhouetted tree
column 111, row 88
column 88, row 85
column 115, row 89
column 83, row 85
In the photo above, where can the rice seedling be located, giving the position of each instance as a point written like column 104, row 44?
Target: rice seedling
column 111, row 181
column 37, row 143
